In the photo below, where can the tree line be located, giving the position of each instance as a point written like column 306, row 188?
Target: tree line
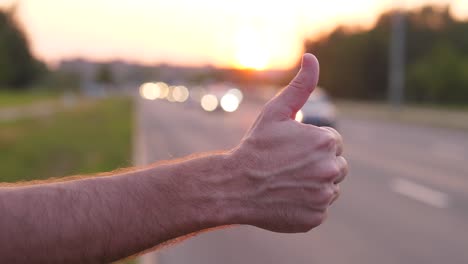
column 18, row 67
column 354, row 63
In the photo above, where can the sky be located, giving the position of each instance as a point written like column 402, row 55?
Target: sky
column 256, row 34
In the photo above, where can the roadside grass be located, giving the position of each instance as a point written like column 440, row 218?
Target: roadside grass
column 92, row 137
column 15, row 98
column 89, row 138
column 425, row 115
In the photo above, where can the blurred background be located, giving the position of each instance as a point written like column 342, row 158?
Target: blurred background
column 91, row 86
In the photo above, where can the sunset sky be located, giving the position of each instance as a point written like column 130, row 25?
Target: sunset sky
column 240, row 33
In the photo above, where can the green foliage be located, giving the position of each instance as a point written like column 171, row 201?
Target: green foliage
column 94, row 137
column 354, row 63
column 441, row 76
column 19, row 98
column 104, row 74
column 60, row 80
column 18, row 67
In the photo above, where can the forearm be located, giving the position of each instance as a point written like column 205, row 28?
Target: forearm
column 107, row 218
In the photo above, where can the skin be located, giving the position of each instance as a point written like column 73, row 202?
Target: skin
column 282, row 177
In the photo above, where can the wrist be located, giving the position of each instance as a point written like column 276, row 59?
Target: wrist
column 201, row 193
column 219, row 192
column 236, row 191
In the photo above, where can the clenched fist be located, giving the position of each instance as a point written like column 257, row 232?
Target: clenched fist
column 289, row 171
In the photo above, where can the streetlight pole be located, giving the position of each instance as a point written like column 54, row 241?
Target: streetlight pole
column 396, row 84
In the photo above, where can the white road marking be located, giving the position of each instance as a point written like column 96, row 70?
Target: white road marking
column 420, row 193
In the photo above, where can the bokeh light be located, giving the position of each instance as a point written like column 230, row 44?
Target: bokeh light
column 209, row 102
column 180, row 94
column 149, row 91
column 170, row 94
column 299, row 116
column 229, row 102
column 237, row 93
column 163, row 90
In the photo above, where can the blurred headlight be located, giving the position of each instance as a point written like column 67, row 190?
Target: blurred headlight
column 237, row 93
column 209, row 102
column 229, row 102
column 149, row 91
column 163, row 90
column 299, row 116
column 180, row 93
column 170, row 95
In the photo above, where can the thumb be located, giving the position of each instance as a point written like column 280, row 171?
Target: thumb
column 293, row 97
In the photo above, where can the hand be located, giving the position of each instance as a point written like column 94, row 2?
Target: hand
column 289, row 171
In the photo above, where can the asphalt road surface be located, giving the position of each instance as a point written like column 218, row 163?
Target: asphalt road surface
column 404, row 201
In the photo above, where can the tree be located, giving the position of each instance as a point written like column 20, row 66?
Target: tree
column 354, row 63
column 441, row 76
column 104, row 75
column 18, row 67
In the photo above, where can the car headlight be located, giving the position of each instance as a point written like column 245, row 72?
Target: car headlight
column 229, row 102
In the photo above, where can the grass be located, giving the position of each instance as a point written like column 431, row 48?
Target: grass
column 426, row 115
column 92, row 137
column 11, row 98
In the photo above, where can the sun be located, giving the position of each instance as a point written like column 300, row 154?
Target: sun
column 251, row 52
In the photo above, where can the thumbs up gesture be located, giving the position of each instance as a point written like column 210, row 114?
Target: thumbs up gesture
column 289, row 171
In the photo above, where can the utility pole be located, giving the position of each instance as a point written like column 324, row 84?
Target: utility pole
column 397, row 59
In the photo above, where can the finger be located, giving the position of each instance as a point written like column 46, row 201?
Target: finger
column 293, row 97
column 338, row 138
column 343, row 167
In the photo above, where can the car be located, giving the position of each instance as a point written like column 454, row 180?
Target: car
column 318, row 110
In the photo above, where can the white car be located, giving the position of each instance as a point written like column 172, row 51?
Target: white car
column 318, row 110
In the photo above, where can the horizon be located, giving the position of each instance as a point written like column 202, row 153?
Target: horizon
column 182, row 33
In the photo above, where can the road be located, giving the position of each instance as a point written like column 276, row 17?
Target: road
column 404, row 201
